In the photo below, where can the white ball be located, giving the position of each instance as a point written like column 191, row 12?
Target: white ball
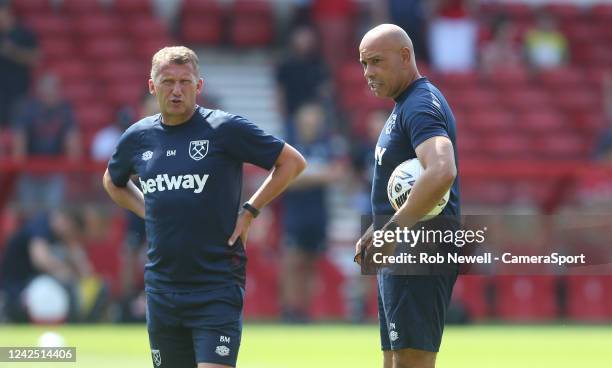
column 401, row 182
column 46, row 300
column 51, row 340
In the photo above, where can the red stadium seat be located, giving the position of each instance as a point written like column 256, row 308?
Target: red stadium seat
column 80, row 92
column 601, row 12
column 92, row 116
column 595, row 76
column 251, row 23
column 579, row 32
column 592, row 55
column 577, row 100
column 524, row 100
column 471, row 292
column 81, row 7
column 588, row 122
column 132, row 7
column 146, row 48
column 111, row 48
column 516, row 10
column 145, row 27
column 485, row 191
column 96, row 25
column 350, row 75
column 604, row 31
column 490, row 120
column 509, row 78
column 458, row 80
column 201, row 22
column 57, row 48
column 328, row 300
column 526, row 298
column 540, row 121
column 126, row 93
column 105, row 254
column 589, row 297
column 30, row 7
column 123, row 69
column 561, row 145
column 70, row 70
column 201, row 31
column 468, row 145
column 49, row 25
column 472, row 99
column 537, row 192
column 508, row 145
column 261, row 292
column 563, row 77
column 563, row 12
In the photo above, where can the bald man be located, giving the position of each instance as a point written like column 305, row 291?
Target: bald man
column 412, row 309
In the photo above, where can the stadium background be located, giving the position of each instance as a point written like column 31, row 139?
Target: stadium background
column 528, row 139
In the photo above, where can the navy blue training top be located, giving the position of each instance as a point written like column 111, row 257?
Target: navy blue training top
column 191, row 177
column 420, row 112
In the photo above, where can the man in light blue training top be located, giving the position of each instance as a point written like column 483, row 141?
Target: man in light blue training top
column 188, row 160
column 412, row 308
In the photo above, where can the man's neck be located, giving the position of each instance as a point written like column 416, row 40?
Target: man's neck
column 177, row 120
column 416, row 75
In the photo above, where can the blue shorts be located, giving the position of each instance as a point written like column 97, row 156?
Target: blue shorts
column 310, row 239
column 186, row 328
column 412, row 310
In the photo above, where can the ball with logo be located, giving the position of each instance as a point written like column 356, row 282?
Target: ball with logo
column 401, row 182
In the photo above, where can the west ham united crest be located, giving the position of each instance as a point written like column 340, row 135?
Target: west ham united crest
column 156, row 357
column 198, row 149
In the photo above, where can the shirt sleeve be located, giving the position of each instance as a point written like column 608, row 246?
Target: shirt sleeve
column 120, row 166
column 248, row 143
column 424, row 124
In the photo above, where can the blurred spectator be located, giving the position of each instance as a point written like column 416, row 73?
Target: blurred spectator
column 105, row 140
column 334, row 19
column 362, row 157
column 545, row 45
column 503, row 50
column 305, row 212
column 303, row 75
column 44, row 126
column 50, row 244
column 411, row 15
column 134, row 242
column 18, row 54
column 452, row 36
column 604, row 142
column 594, row 189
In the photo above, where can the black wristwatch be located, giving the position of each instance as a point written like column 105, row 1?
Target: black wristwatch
column 254, row 211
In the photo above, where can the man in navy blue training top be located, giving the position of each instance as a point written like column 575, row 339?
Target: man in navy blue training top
column 188, row 161
column 412, row 308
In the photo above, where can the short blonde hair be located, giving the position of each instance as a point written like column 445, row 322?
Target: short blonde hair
column 175, row 55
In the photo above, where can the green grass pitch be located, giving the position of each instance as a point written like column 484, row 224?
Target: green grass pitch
column 321, row 346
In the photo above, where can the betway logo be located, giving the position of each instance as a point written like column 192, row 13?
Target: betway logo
column 165, row 182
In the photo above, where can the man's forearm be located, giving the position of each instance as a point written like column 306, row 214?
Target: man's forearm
column 128, row 197
column 278, row 180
